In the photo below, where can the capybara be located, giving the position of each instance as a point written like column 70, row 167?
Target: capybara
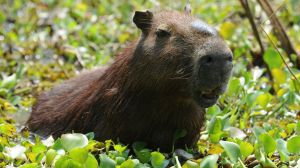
column 158, row 85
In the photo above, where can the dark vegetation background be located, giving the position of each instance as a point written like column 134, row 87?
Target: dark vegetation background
column 256, row 123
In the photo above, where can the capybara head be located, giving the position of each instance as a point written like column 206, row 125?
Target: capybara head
column 180, row 53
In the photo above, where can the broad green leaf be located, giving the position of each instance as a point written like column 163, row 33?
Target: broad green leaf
column 209, row 161
column 264, row 99
column 213, row 111
column 128, row 164
column 75, row 140
column 298, row 128
column 267, row 142
column 190, row 164
column 258, row 131
column 272, row 58
column 279, row 76
column 67, row 162
column 38, row 148
column 232, row 150
column 91, row 162
column 293, row 144
column 31, row 165
column 157, row 160
column 50, row 155
column 106, row 162
column 120, row 148
column 246, row 148
column 282, row 149
column 79, row 154
column 233, row 86
column 142, row 153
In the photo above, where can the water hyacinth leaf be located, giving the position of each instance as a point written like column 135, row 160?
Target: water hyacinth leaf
column 293, row 144
column 213, row 111
column 272, row 58
column 75, row 140
column 79, row 154
column 66, row 162
column 236, row 133
column 279, row 76
column 264, row 99
column 142, row 153
column 190, row 164
column 91, row 161
column 267, row 142
column 258, row 131
column 106, row 162
column 233, row 86
column 38, row 148
column 31, row 165
column 232, row 150
column 282, row 149
column 209, row 161
column 50, row 155
column 120, row 148
column 246, row 149
column 298, row 128
column 128, row 164
column 158, row 160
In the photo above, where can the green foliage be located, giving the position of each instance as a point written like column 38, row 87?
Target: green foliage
column 46, row 41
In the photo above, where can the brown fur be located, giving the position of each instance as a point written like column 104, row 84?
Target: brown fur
column 146, row 94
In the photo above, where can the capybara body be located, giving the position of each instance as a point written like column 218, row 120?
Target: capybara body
column 158, row 85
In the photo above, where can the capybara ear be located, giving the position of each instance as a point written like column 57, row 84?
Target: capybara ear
column 187, row 7
column 143, row 20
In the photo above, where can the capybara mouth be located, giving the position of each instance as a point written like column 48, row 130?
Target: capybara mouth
column 207, row 98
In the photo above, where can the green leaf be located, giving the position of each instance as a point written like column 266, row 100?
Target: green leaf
column 142, row 153
column 106, row 162
column 157, row 160
column 128, row 164
column 233, row 86
column 258, row 131
column 264, row 99
column 50, row 155
column 78, row 154
column 213, row 111
column 91, row 162
column 38, row 148
column 120, row 148
column 190, row 164
column 272, row 58
column 268, row 143
column 66, row 162
column 232, row 150
column 9, row 82
column 282, row 149
column 246, row 148
column 31, row 165
column 279, row 76
column 298, row 128
column 209, row 161
column 293, row 144
column 75, row 140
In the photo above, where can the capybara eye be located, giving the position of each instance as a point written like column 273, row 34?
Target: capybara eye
column 162, row 33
